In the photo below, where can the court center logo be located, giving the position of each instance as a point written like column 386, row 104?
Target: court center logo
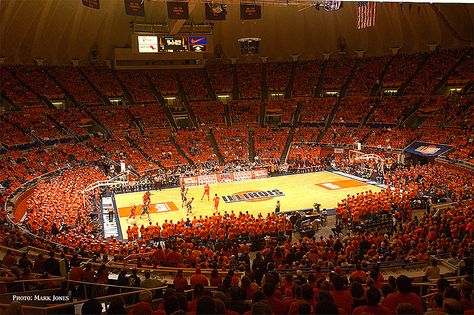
column 252, row 195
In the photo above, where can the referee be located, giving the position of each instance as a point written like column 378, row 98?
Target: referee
column 277, row 207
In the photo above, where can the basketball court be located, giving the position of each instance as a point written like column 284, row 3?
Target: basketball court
column 295, row 192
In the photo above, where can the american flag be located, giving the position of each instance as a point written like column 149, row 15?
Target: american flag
column 366, row 14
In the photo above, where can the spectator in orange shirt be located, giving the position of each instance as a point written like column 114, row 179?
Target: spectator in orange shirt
column 198, row 278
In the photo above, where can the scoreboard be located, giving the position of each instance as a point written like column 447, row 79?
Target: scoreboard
column 155, row 44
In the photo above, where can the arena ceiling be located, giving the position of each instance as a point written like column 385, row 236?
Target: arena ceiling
column 59, row 30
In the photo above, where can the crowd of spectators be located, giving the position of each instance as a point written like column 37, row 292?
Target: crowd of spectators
column 104, row 80
column 17, row 92
column 76, row 84
column 11, row 136
column 36, row 123
column 367, row 76
column 316, row 109
column 306, row 134
column 244, row 111
column 278, row 75
column 138, row 85
column 353, row 109
column 116, row 119
column 72, row 119
column 233, row 143
column 38, row 81
column 306, row 77
column 401, row 68
column 344, row 135
column 164, row 81
column 392, row 108
column 433, row 71
column 196, row 144
column 149, row 115
column 462, row 73
column 285, row 107
column 249, row 78
column 220, row 77
column 269, row 143
column 209, row 112
column 194, row 84
column 391, row 138
column 337, row 72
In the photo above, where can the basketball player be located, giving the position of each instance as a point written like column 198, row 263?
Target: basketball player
column 277, row 207
column 189, row 206
column 216, row 202
column 146, row 205
column 146, row 198
column 206, row 192
column 184, row 196
column 132, row 213
column 146, row 210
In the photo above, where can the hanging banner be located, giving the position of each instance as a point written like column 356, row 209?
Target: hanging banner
column 135, row 7
column 215, row 11
column 177, row 10
column 94, row 4
column 427, row 149
column 250, row 12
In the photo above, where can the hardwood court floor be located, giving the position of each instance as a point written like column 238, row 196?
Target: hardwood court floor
column 300, row 192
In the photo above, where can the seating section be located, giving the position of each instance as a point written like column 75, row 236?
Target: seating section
column 344, row 135
column 117, row 119
column 209, row 112
column 392, row 108
column 11, row 136
column 233, row 143
column 149, row 115
column 137, row 84
column 119, row 149
column 391, row 138
column 269, row 143
column 367, row 75
column 278, row 76
column 105, row 81
column 18, row 93
column 244, row 111
column 317, row 109
column 353, row 109
column 463, row 74
column 249, row 77
column 38, row 81
column 433, row 71
column 304, row 154
column 220, row 77
column 196, row 144
column 285, row 107
column 306, row 134
column 157, row 145
column 194, row 84
column 37, row 124
column 306, row 77
column 81, row 151
column 72, row 119
column 164, row 81
column 76, row 84
column 401, row 69
column 337, row 72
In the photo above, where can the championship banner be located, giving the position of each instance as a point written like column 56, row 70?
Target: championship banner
column 135, row 7
column 94, row 4
column 177, row 10
column 427, row 149
column 215, row 11
column 250, row 12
